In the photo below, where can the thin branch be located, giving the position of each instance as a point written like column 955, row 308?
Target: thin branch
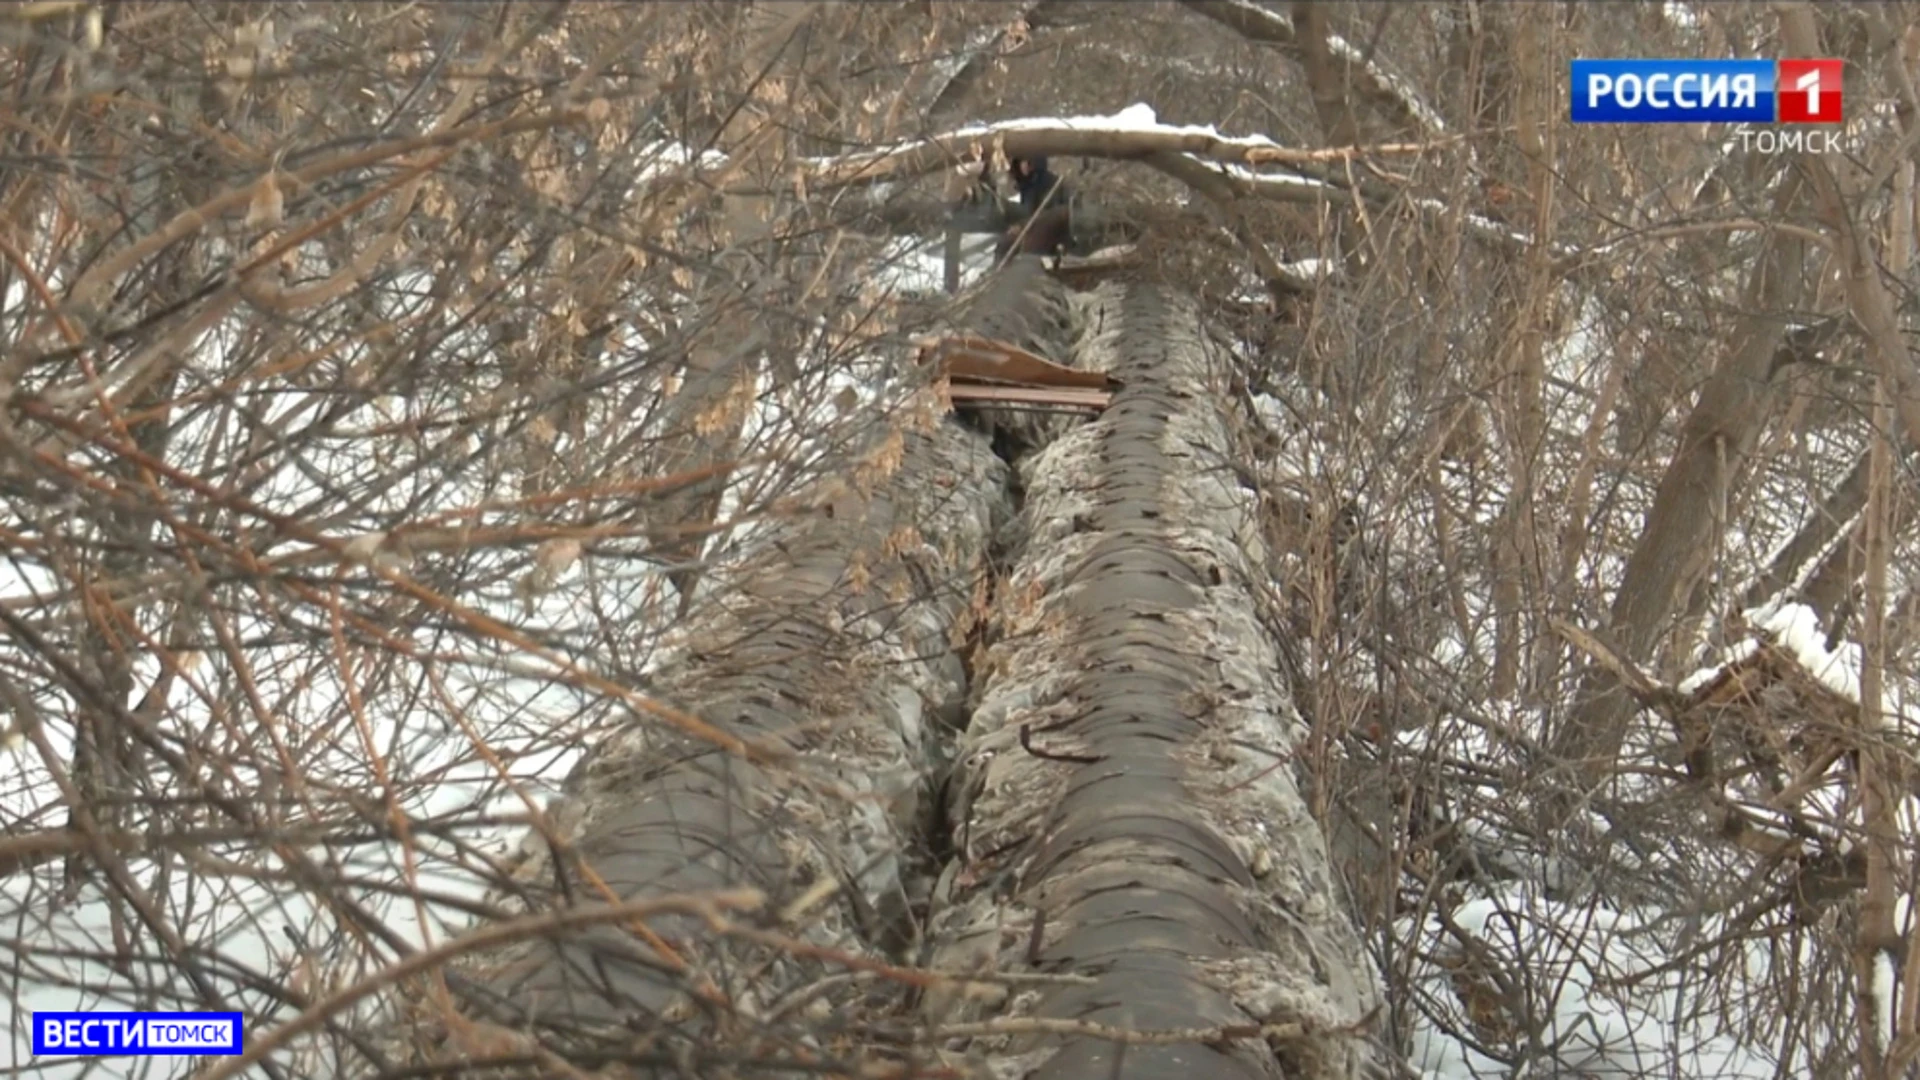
column 1386, row 93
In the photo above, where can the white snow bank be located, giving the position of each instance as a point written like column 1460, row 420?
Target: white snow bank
column 910, row 266
column 1585, row 972
column 1795, row 628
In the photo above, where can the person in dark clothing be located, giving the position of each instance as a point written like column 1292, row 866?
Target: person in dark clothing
column 1039, row 186
column 1043, row 222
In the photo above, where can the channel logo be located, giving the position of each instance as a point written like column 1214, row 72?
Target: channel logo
column 101, row 1034
column 1709, row 91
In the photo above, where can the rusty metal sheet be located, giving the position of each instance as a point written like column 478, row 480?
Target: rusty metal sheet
column 969, row 358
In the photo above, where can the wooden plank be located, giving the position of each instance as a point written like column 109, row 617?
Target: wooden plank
column 1066, row 397
column 966, row 358
column 1117, row 257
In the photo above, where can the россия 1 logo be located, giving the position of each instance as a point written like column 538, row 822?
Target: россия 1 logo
column 1708, row 91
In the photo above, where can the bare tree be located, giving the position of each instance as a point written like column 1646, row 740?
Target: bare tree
column 499, row 587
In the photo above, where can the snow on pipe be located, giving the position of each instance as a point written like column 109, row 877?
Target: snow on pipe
column 833, row 637
column 1125, row 816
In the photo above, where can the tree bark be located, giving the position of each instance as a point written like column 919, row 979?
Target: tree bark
column 1518, row 561
column 1331, row 103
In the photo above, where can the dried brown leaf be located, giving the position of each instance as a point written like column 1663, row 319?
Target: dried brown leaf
column 268, row 207
column 361, row 548
column 556, row 556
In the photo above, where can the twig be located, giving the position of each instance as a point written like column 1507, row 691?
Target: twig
column 1026, row 743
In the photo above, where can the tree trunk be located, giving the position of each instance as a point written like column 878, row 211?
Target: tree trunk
column 1332, row 102
column 1125, row 816
column 1684, row 526
column 1518, row 562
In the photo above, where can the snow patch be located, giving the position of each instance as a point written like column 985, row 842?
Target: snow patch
column 909, row 266
column 1733, row 654
column 1795, row 628
column 1885, row 991
column 1589, row 969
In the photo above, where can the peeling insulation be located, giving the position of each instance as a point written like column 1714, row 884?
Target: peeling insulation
column 1126, row 850
column 834, row 637
column 1126, row 813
